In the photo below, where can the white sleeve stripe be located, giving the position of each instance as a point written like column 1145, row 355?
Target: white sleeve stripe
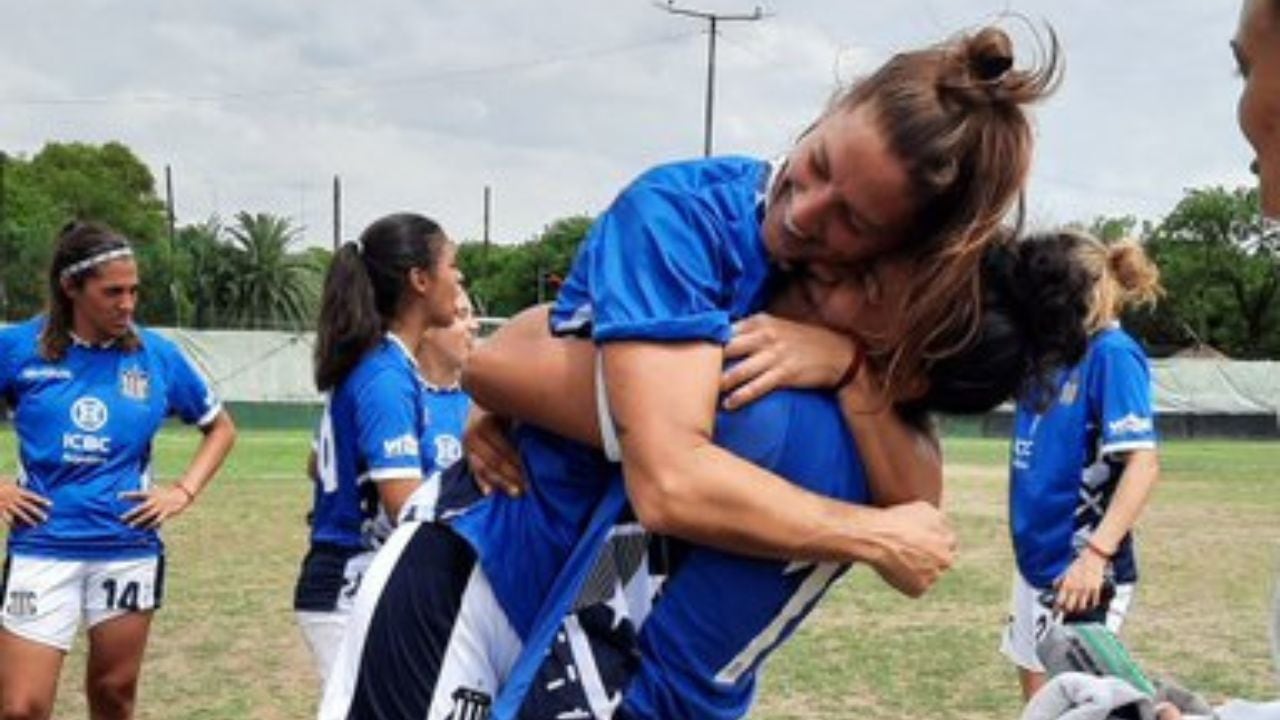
column 608, row 432
column 1128, row 446
column 209, row 416
column 398, row 473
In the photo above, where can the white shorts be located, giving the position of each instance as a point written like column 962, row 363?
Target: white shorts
column 45, row 598
column 426, row 637
column 322, row 629
column 1029, row 620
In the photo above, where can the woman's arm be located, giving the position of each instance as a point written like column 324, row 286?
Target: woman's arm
column 663, row 397
column 394, row 492
column 1081, row 586
column 162, row 502
column 522, row 371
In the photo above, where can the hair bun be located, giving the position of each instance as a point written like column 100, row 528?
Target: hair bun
column 990, row 55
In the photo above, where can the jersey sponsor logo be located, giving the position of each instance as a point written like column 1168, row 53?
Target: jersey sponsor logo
column 45, row 372
column 89, row 413
column 1130, row 424
column 404, row 446
column 1022, row 453
column 22, row 603
column 135, row 384
column 448, row 451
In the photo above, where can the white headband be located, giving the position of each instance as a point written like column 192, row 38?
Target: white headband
column 95, row 260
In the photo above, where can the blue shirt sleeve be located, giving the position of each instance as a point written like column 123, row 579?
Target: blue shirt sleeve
column 656, row 271
column 1121, row 388
column 387, row 436
column 189, row 395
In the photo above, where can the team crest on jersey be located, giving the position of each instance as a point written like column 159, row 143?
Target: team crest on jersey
column 1069, row 390
column 135, row 384
column 448, row 451
column 89, row 413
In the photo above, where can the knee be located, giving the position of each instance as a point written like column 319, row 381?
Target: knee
column 112, row 697
column 25, row 708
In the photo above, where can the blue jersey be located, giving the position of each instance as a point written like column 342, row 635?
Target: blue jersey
column 721, row 637
column 721, row 615
column 679, row 255
column 446, row 417
column 1067, row 461
column 85, row 426
column 374, row 426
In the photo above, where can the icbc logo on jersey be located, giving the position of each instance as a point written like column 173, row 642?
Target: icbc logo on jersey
column 88, row 414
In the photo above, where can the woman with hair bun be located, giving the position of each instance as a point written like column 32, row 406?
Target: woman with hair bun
column 1083, row 462
column 917, row 163
column 382, row 292
column 90, row 390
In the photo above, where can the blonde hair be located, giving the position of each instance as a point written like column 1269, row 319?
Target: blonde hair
column 1123, row 276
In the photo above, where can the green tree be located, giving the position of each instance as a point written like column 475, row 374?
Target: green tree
column 271, row 286
column 70, row 181
column 507, row 278
column 1220, row 264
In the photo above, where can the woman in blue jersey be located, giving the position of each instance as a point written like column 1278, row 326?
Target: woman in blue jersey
column 441, row 354
column 920, row 160
column 438, row 653
column 382, row 292
column 90, row 390
column 1083, row 464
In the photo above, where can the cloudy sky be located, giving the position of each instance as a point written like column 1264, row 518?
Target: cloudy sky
column 419, row 104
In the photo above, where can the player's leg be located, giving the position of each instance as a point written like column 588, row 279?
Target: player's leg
column 1027, row 624
column 28, row 677
column 323, row 599
column 120, row 599
column 116, row 647
column 40, row 614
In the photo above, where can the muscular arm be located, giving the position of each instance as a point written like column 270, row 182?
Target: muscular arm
column 663, row 398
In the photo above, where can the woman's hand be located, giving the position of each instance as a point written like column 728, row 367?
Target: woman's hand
column 917, row 545
column 155, row 505
column 20, row 506
column 780, row 353
column 1080, row 587
column 494, row 461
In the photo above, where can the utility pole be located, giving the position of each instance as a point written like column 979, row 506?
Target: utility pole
column 4, row 296
column 713, row 20
column 173, row 246
column 337, row 213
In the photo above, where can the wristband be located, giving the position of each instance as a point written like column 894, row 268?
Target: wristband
column 1092, row 547
column 855, row 364
column 191, row 497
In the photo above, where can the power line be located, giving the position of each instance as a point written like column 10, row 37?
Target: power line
column 315, row 90
column 712, row 19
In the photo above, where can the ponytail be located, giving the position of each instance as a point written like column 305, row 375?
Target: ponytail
column 349, row 322
column 363, row 289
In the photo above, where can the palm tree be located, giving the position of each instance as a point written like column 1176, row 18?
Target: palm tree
column 271, row 287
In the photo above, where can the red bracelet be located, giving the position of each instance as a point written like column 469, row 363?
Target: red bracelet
column 1093, row 547
column 191, row 497
column 855, row 364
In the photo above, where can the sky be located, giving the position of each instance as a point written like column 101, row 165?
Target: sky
column 256, row 105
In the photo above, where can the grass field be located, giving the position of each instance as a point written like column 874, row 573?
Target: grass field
column 225, row 645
